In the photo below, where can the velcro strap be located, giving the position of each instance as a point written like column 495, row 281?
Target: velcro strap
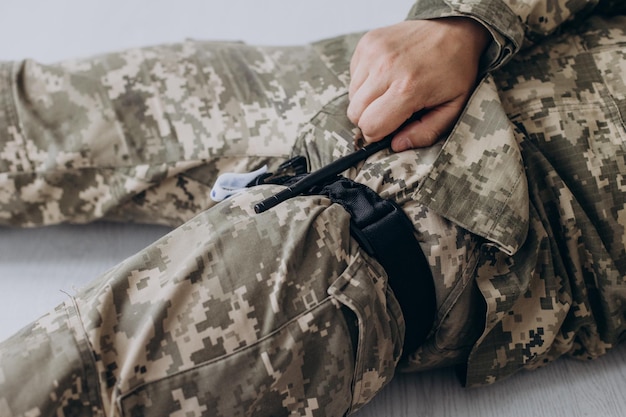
column 385, row 232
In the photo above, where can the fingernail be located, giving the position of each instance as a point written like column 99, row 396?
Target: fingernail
column 402, row 144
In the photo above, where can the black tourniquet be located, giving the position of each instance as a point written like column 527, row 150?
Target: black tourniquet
column 385, row 232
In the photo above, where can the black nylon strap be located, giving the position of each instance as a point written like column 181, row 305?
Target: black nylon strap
column 385, row 232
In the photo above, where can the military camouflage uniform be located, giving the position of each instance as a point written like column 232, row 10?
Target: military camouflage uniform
column 520, row 212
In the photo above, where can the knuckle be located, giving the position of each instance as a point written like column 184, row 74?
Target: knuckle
column 405, row 86
column 429, row 137
column 370, row 128
column 353, row 114
column 370, row 36
column 385, row 65
column 373, row 42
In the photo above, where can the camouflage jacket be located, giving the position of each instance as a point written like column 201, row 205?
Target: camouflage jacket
column 535, row 167
column 517, row 24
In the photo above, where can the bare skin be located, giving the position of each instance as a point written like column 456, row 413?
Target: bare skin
column 419, row 65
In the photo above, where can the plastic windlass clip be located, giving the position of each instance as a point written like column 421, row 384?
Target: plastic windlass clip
column 289, row 169
column 317, row 177
column 334, row 168
column 297, row 164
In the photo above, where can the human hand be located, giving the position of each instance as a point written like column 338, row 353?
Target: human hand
column 429, row 66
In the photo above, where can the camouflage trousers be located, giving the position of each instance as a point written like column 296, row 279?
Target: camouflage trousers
column 231, row 313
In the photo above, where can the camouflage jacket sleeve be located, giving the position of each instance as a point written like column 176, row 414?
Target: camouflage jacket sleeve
column 514, row 23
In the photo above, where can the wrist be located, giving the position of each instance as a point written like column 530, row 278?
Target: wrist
column 472, row 33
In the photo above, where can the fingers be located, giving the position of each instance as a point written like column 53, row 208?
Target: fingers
column 384, row 114
column 358, row 75
column 377, row 104
column 414, row 65
column 379, row 110
column 369, row 78
column 363, row 98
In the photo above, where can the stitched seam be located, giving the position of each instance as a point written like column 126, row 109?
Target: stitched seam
column 86, row 355
column 278, row 330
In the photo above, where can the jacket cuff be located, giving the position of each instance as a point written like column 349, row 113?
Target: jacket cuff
column 506, row 29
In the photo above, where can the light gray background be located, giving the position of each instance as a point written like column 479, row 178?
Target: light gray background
column 37, row 265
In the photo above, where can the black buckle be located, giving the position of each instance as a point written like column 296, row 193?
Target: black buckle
column 294, row 167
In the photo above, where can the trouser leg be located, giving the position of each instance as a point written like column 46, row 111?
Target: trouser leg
column 141, row 135
column 230, row 314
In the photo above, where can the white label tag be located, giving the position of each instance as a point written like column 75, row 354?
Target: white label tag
column 231, row 183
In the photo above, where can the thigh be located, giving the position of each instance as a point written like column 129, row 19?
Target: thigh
column 231, row 314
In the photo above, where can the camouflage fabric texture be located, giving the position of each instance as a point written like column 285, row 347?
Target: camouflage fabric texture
column 232, row 313
column 545, row 184
column 519, row 211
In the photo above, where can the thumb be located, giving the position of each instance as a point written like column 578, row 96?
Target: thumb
column 426, row 130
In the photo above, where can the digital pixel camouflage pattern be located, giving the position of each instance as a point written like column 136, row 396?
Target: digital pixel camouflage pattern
column 552, row 267
column 520, row 212
column 147, row 325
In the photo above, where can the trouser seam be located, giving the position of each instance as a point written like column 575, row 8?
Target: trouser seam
column 87, row 358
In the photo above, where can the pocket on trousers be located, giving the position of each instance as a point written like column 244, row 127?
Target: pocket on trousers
column 363, row 289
